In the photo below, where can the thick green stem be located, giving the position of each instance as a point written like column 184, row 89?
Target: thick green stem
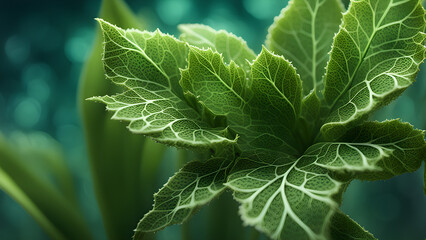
column 115, row 154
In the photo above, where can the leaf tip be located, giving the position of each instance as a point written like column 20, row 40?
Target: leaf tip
column 93, row 99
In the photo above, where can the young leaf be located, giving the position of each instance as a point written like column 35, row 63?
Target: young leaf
column 148, row 64
column 375, row 57
column 193, row 186
column 233, row 48
column 262, row 111
column 275, row 84
column 303, row 34
column 284, row 197
column 310, row 110
column 308, row 124
column 373, row 150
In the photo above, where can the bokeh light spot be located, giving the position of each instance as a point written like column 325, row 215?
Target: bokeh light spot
column 173, row 12
column 17, row 49
column 27, row 113
column 36, row 78
column 265, row 9
column 69, row 135
column 78, row 46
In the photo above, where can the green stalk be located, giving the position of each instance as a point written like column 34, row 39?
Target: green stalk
column 56, row 214
column 151, row 157
column 13, row 190
column 254, row 234
column 47, row 158
column 115, row 154
column 183, row 157
column 223, row 220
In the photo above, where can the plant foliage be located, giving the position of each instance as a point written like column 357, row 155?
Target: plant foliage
column 287, row 129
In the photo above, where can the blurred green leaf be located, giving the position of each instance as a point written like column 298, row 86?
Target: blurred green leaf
column 118, row 160
column 343, row 227
column 56, row 211
column 47, row 160
column 233, row 48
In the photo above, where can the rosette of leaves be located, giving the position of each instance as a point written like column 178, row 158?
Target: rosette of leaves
column 287, row 129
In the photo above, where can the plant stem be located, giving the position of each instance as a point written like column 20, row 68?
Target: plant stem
column 183, row 158
column 185, row 231
column 254, row 234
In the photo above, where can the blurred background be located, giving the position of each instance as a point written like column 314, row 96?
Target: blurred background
column 44, row 44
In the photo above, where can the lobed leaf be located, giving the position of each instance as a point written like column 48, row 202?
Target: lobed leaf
column 375, row 57
column 374, row 150
column 288, row 180
column 193, row 186
column 303, row 34
column 289, row 198
column 276, row 85
column 262, row 111
column 284, row 197
column 147, row 65
column 233, row 48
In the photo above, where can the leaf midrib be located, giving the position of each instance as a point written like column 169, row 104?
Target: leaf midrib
column 367, row 48
column 142, row 52
column 281, row 93
column 209, row 68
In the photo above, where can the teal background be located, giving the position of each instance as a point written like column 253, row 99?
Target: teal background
column 43, row 45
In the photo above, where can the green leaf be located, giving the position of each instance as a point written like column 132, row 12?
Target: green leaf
column 54, row 209
column 113, row 150
column 191, row 187
column 343, row 227
column 284, row 197
column 8, row 185
column 373, row 150
column 262, row 111
column 233, row 48
column 303, row 34
column 294, row 198
column 375, row 57
column 44, row 156
column 308, row 124
column 311, row 107
column 147, row 65
column 275, row 84
column 298, row 148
